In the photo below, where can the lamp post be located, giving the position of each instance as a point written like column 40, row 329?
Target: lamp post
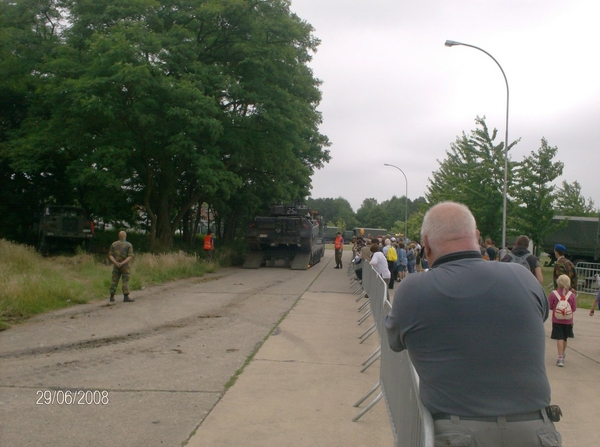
column 451, row 43
column 406, row 196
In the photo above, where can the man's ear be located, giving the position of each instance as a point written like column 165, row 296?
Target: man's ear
column 427, row 248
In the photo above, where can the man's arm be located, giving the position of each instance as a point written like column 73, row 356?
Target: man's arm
column 538, row 274
column 392, row 327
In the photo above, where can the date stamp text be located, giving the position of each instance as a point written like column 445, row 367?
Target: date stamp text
column 72, row 397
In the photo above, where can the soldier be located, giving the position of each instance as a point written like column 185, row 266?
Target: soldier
column 563, row 266
column 120, row 253
column 339, row 248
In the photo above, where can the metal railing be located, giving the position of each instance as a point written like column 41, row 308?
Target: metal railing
column 412, row 424
column 588, row 277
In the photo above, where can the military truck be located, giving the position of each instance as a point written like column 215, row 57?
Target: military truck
column 581, row 236
column 290, row 234
column 62, row 227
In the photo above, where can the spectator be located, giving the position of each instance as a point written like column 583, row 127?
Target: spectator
column 478, row 348
column 411, row 256
column 491, row 249
column 521, row 255
column 379, row 263
column 401, row 264
column 392, row 256
column 562, row 322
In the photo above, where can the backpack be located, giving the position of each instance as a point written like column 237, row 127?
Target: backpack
column 391, row 254
column 563, row 309
column 522, row 260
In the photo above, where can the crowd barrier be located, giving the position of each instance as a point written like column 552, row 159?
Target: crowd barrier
column 398, row 385
column 588, row 276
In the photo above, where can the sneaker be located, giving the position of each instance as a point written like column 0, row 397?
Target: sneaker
column 560, row 362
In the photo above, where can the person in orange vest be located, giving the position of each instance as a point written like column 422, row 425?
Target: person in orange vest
column 209, row 245
column 339, row 248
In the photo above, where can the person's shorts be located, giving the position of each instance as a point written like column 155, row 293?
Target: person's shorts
column 400, row 267
column 561, row 331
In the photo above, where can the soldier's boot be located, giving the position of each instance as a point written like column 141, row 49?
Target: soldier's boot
column 112, row 298
column 126, row 299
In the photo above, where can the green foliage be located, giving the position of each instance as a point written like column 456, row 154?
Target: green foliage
column 533, row 193
column 387, row 214
column 143, row 110
column 341, row 224
column 473, row 174
column 570, row 202
column 333, row 210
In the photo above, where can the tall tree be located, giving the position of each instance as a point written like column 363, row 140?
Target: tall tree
column 473, row 173
column 163, row 105
column 533, row 193
column 334, row 210
column 570, row 202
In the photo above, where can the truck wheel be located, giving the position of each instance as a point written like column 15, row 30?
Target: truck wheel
column 44, row 246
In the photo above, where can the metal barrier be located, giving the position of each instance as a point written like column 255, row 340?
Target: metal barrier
column 588, row 275
column 412, row 424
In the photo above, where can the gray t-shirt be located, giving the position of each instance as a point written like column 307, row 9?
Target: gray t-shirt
column 474, row 331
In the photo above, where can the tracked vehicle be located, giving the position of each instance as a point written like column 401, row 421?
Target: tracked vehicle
column 290, row 236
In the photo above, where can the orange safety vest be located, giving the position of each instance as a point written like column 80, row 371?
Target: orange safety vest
column 208, row 242
column 338, row 243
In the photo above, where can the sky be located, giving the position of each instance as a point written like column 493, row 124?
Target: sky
column 394, row 93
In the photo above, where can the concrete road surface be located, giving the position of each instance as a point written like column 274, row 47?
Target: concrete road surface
column 138, row 374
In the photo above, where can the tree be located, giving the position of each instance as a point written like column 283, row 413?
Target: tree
column 334, row 210
column 533, row 193
column 362, row 215
column 473, row 174
column 570, row 202
column 162, row 106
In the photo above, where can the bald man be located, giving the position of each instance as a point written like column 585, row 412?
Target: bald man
column 120, row 253
column 474, row 331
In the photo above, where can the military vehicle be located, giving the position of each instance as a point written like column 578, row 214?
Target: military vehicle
column 581, row 236
column 63, row 227
column 290, row 234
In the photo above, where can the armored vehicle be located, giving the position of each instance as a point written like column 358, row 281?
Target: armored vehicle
column 290, row 234
column 63, row 227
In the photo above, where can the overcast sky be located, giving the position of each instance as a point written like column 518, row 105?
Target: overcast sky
column 393, row 93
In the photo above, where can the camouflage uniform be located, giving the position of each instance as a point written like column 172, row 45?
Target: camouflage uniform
column 120, row 250
column 565, row 267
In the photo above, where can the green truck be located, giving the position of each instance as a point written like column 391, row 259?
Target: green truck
column 581, row 236
column 63, row 227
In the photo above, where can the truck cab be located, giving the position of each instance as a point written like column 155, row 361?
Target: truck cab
column 63, row 226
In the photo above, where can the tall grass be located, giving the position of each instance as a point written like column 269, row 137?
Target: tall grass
column 31, row 284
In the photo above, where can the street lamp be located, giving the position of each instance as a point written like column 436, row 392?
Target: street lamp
column 406, row 196
column 451, row 43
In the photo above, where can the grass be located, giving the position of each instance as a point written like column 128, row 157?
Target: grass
column 31, row 284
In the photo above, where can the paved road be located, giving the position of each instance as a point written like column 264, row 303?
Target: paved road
column 141, row 374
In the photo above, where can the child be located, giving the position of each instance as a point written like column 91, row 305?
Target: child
column 597, row 300
column 562, row 319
